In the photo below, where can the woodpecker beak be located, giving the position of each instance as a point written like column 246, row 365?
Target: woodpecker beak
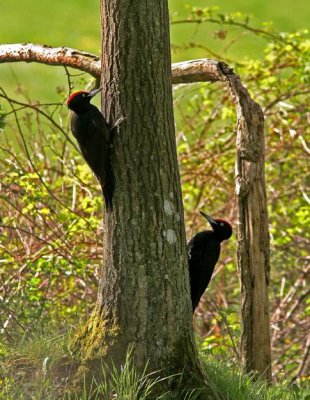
column 94, row 92
column 211, row 221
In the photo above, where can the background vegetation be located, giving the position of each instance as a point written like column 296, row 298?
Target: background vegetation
column 51, row 206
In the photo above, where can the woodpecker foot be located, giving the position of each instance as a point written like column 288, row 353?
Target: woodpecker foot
column 118, row 122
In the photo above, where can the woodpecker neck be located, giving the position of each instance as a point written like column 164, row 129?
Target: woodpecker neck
column 220, row 236
column 80, row 108
column 222, row 230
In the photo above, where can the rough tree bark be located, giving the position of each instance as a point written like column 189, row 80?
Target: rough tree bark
column 253, row 237
column 143, row 301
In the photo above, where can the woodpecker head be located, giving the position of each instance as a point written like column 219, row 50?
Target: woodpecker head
column 221, row 228
column 79, row 102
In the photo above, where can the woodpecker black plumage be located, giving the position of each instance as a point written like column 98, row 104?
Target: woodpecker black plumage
column 203, row 253
column 94, row 137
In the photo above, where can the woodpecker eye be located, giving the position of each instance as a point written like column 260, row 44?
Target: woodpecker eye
column 221, row 224
column 84, row 95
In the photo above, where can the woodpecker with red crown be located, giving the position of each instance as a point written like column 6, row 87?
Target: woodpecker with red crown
column 203, row 253
column 94, row 136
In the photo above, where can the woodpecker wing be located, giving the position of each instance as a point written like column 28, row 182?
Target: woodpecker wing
column 92, row 133
column 203, row 254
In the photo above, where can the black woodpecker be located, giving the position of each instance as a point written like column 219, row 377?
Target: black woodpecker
column 203, row 253
column 94, row 136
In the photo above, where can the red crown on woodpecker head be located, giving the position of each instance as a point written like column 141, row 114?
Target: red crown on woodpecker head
column 73, row 95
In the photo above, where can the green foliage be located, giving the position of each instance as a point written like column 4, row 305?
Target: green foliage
column 51, row 228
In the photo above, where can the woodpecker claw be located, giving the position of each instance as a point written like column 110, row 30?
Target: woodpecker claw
column 118, row 122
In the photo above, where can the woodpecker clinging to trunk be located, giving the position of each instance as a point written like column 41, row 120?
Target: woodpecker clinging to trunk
column 203, row 253
column 94, row 138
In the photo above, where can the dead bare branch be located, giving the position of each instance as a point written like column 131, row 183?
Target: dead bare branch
column 62, row 56
column 202, row 70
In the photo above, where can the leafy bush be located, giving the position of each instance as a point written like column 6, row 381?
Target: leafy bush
column 51, row 226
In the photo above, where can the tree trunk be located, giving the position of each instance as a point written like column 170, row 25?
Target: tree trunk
column 144, row 297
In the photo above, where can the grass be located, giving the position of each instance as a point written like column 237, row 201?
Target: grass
column 230, row 383
column 40, row 367
column 35, row 367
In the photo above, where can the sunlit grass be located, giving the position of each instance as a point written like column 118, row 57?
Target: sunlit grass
column 38, row 367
